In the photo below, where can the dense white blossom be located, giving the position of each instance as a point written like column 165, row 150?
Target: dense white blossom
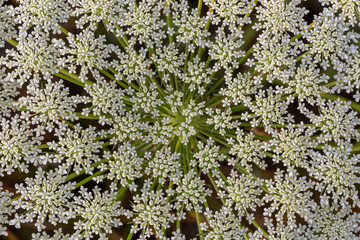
column 197, row 75
column 281, row 16
column 93, row 12
column 50, row 103
column 247, row 149
column 46, row 196
column 192, row 192
column 45, row 14
column 8, row 92
column 6, row 209
column 99, row 212
column 105, row 99
column 124, row 165
column 348, row 8
column 225, row 49
column 331, row 39
column 338, row 172
column 334, row 223
column 191, row 26
column 133, row 65
column 224, row 224
column 17, row 145
column 227, row 12
column 289, row 195
column 337, row 121
column 7, row 25
column 174, row 120
column 34, row 55
column 307, row 84
column 242, row 192
column 151, row 210
column 143, row 22
column 77, row 148
column 87, row 52
column 164, row 165
column 208, row 157
column 58, row 235
column 292, row 145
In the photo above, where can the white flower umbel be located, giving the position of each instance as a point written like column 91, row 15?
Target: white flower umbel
column 289, row 195
column 99, row 212
column 45, row 14
column 224, row 224
column 247, row 149
column 46, row 197
column 292, row 145
column 58, row 235
column 77, row 148
column 151, row 211
column 95, row 11
column 17, row 148
column 51, row 103
column 334, row 223
column 241, row 192
column 35, row 54
column 192, row 192
column 124, row 166
column 164, row 165
column 239, row 117
column 87, row 52
column 208, row 157
column 337, row 171
column 6, row 209
column 7, row 25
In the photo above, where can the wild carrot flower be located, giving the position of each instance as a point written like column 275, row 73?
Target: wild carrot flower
column 136, row 119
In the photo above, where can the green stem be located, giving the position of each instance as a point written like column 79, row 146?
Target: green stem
column 12, row 42
column 69, row 79
column 178, row 223
column 216, row 85
column 212, row 99
column 154, row 184
column 74, row 174
column 212, row 135
column 74, row 76
column 42, row 146
column 66, row 32
column 199, row 7
column 356, row 147
column 252, row 9
column 354, row 105
column 130, row 236
column 247, row 54
column 122, row 43
column 198, row 221
column 120, row 192
column 215, row 104
column 88, row 179
column 124, row 38
column 260, row 228
column 168, row 23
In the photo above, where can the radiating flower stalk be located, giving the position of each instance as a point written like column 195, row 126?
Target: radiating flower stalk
column 133, row 118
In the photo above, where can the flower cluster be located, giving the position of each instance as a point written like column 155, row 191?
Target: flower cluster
column 100, row 212
column 174, row 120
column 45, row 196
